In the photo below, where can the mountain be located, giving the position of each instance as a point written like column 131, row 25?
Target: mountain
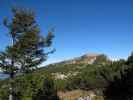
column 88, row 58
column 72, row 65
column 77, row 73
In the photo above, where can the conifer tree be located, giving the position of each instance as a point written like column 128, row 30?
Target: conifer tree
column 26, row 51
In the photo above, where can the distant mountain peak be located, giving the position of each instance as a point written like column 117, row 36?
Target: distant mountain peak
column 87, row 58
column 90, row 55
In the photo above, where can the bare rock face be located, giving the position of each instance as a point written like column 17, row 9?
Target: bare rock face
column 88, row 58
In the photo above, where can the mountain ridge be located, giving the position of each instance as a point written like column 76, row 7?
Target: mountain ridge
column 87, row 58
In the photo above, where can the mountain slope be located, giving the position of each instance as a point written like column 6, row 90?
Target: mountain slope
column 84, row 59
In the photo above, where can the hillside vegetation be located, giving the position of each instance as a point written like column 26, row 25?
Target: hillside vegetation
column 68, row 77
column 71, row 73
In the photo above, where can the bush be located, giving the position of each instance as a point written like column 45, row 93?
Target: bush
column 120, row 88
column 47, row 92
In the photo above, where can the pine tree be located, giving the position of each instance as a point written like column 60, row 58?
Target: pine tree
column 27, row 49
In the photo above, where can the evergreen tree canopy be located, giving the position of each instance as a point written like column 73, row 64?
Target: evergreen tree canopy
column 130, row 60
column 27, row 49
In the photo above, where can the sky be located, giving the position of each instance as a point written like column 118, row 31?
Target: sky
column 81, row 26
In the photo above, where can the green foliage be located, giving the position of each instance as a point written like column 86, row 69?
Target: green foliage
column 47, row 92
column 27, row 49
column 130, row 60
column 111, row 77
column 109, row 71
column 120, row 88
column 25, row 86
column 87, row 79
column 61, row 85
column 65, row 68
column 4, row 94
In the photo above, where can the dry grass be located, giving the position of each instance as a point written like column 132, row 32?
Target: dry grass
column 75, row 94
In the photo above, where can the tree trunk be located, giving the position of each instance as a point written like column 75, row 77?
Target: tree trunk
column 11, row 86
column 11, row 95
column 12, row 73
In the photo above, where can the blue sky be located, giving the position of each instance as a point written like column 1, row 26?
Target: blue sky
column 81, row 26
